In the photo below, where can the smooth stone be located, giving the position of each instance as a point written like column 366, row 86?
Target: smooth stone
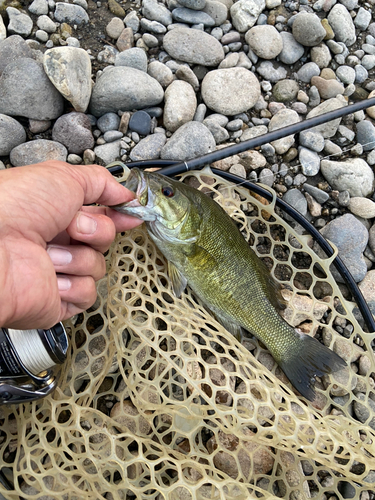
column 310, row 161
column 123, row 88
column 281, row 119
column 268, row 71
column 108, row 152
column 131, row 21
column 114, row 28
column 353, row 175
column 37, row 99
column 308, row 30
column 321, row 55
column 189, row 16
column 41, row 36
column 37, row 151
column 350, row 237
column 342, row 24
column 153, row 26
column 71, row 14
column 252, row 132
column 327, row 88
column 74, row 132
column 230, row 61
column 308, row 71
column 230, row 91
column 112, row 135
column 368, row 61
column 245, row 13
column 366, row 134
column 363, row 207
column 312, row 140
column 328, row 129
column 218, row 131
column 161, row 73
column 38, row 7
column 12, row 48
column 189, row 141
column 148, row 148
column 292, row 50
column 3, row 30
column 12, row 134
column 155, row 11
column 187, row 74
column 19, row 23
column 108, row 121
column 150, row 40
column 69, row 69
column 39, row 126
column 125, row 40
column 320, row 195
column 193, row 46
column 132, row 58
column 193, row 4
column 265, row 41
column 46, row 24
column 140, row 122
column 295, row 199
column 180, row 105
column 285, row 90
column 217, row 10
column 362, row 19
column 200, row 112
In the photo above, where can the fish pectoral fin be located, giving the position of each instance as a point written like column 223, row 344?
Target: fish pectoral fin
column 178, row 280
column 234, row 328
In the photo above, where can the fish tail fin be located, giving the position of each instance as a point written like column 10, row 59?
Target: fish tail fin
column 311, row 360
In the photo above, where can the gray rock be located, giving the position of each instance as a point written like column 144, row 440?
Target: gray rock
column 230, row 91
column 74, row 132
column 193, row 46
column 353, row 175
column 245, row 13
column 187, row 74
column 155, row 11
column 148, row 148
column 3, row 30
column 131, row 21
column 46, row 24
column 342, row 24
column 39, row 126
column 12, row 134
column 132, row 58
column 366, row 135
column 180, row 105
column 200, row 112
column 368, row 61
column 346, row 74
column 112, row 135
column 39, row 7
column 281, row 119
column 361, row 73
column 269, row 72
column 190, row 16
column 115, row 27
column 292, row 50
column 140, row 122
column 265, row 41
column 107, row 55
column 285, row 90
column 37, row 99
column 321, row 55
column 193, row 4
column 150, row 40
column 362, row 19
column 109, row 121
column 123, row 88
column 266, row 177
column 308, row 30
column 295, row 199
column 71, row 14
column 307, row 71
column 161, row 73
column 37, row 151
column 153, row 26
column 312, row 140
column 69, row 69
column 230, row 61
column 12, row 48
column 19, row 23
column 327, row 129
column 217, row 10
column 191, row 140
column 310, row 161
column 106, row 153
column 318, row 194
column 216, row 126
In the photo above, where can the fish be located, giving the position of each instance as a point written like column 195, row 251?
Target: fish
column 206, row 251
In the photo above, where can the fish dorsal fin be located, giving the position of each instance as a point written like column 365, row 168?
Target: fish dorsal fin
column 179, row 281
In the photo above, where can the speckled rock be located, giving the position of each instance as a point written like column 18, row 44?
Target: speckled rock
column 12, row 134
column 327, row 129
column 271, row 71
column 310, row 161
column 367, row 287
column 230, row 91
column 265, row 41
column 106, row 153
column 37, row 151
column 148, row 148
column 245, row 13
column 364, row 410
column 189, row 16
column 363, row 207
column 353, row 175
column 342, row 24
column 73, row 130
column 308, row 30
column 161, row 73
column 71, row 14
column 189, row 141
column 19, row 22
column 180, row 105
column 12, row 48
column 285, row 90
column 281, row 119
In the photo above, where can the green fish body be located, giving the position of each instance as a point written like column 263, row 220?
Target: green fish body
column 206, row 251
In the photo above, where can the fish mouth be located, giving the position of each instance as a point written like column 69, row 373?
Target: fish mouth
column 136, row 183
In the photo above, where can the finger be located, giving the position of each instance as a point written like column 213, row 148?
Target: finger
column 95, row 230
column 79, row 291
column 122, row 222
column 78, row 260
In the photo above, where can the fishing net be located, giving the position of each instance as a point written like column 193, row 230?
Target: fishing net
column 158, row 401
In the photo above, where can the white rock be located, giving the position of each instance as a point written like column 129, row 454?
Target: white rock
column 353, row 175
column 281, row 119
column 245, row 13
column 19, row 23
column 180, row 105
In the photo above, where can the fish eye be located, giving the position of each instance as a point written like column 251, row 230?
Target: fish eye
column 167, row 191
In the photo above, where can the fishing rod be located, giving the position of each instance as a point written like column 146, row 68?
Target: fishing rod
column 171, row 168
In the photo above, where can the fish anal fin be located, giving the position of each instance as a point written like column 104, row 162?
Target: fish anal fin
column 178, row 280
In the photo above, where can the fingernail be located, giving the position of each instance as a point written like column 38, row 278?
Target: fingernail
column 63, row 284
column 85, row 224
column 59, row 256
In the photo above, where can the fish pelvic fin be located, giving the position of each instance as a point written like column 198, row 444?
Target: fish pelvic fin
column 179, row 281
column 311, row 360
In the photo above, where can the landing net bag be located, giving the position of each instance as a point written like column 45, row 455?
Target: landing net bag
column 158, row 401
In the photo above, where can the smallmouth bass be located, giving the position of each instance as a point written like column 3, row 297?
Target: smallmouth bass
column 205, row 250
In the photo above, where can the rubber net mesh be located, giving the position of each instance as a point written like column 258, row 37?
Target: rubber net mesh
column 158, row 401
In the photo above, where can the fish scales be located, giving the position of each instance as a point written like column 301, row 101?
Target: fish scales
column 206, row 250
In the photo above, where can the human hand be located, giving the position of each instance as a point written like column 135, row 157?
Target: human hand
column 50, row 244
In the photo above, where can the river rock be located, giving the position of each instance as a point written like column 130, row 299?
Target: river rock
column 281, row 119
column 328, row 129
column 180, row 105
column 73, row 130
column 193, row 4
column 39, row 7
column 12, row 134
column 155, row 11
column 148, row 148
column 69, row 69
column 310, row 161
column 140, row 122
column 46, row 24
column 353, row 175
column 189, row 16
column 217, row 10
column 189, row 141
column 285, row 90
column 70, row 13
column 37, row 98
column 230, row 91
column 363, row 207
column 295, row 199
column 3, row 30
column 12, row 48
column 271, row 71
column 265, row 41
column 245, row 13
column 292, row 51
column 327, row 88
column 161, row 73
column 342, row 24
column 132, row 58
column 193, row 46
column 19, row 23
column 107, row 153
column 308, row 30
column 123, row 88
column 366, row 134
column 37, row 151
